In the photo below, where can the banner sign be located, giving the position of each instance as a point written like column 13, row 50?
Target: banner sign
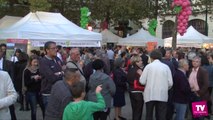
column 19, row 41
column 151, row 46
column 36, row 43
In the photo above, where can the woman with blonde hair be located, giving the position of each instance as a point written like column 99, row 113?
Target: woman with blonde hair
column 136, row 96
column 32, row 82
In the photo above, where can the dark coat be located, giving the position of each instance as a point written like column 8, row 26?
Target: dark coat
column 181, row 88
column 48, row 68
column 9, row 67
column 203, row 83
column 18, row 72
column 120, row 79
column 132, row 75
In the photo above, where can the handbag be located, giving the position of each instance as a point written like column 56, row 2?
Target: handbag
column 138, row 86
column 199, row 109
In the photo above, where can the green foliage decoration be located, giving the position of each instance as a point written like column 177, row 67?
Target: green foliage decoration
column 152, row 26
column 84, row 17
column 177, row 9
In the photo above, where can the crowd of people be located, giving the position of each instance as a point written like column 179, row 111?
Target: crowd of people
column 85, row 83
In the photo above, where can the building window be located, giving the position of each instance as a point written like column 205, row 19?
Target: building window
column 198, row 24
column 167, row 29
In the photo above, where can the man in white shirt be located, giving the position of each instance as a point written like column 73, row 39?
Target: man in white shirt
column 157, row 78
column 8, row 95
column 110, row 55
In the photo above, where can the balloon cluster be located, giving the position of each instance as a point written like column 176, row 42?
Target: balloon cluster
column 84, row 17
column 183, row 10
column 152, row 25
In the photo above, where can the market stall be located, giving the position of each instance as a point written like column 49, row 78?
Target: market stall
column 192, row 38
column 40, row 27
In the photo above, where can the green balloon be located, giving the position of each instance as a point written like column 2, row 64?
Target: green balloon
column 152, row 31
column 177, row 9
column 84, row 17
column 153, row 23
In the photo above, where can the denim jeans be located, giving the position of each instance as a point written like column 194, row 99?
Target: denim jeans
column 45, row 100
column 34, row 98
column 180, row 111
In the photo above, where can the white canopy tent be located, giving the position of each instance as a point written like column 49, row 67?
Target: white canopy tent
column 40, row 27
column 141, row 38
column 192, row 38
column 109, row 37
column 7, row 21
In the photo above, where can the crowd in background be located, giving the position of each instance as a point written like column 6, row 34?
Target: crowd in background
column 171, row 80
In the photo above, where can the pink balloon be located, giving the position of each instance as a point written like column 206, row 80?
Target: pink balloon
column 177, row 3
column 186, row 17
column 180, row 24
column 181, row 17
column 189, row 12
column 185, row 21
column 181, row 34
column 184, row 13
column 181, row 3
column 185, row 4
column 179, row 20
column 189, row 8
column 188, row 3
column 183, row 28
column 178, row 27
column 180, row 31
column 186, row 25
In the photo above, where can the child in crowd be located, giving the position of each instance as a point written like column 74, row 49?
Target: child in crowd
column 80, row 109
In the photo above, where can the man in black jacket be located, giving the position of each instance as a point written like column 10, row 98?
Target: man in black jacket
column 50, row 69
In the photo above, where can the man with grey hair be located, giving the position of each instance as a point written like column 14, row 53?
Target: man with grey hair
column 199, row 82
column 74, row 62
column 181, row 89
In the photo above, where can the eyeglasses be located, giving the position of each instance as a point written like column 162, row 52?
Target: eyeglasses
column 54, row 48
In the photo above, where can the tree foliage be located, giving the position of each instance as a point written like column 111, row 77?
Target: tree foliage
column 112, row 10
column 120, row 10
column 39, row 5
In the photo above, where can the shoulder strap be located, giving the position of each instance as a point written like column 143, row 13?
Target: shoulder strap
column 77, row 67
column 23, row 83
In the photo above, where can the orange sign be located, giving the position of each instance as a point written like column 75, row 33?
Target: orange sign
column 151, row 46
